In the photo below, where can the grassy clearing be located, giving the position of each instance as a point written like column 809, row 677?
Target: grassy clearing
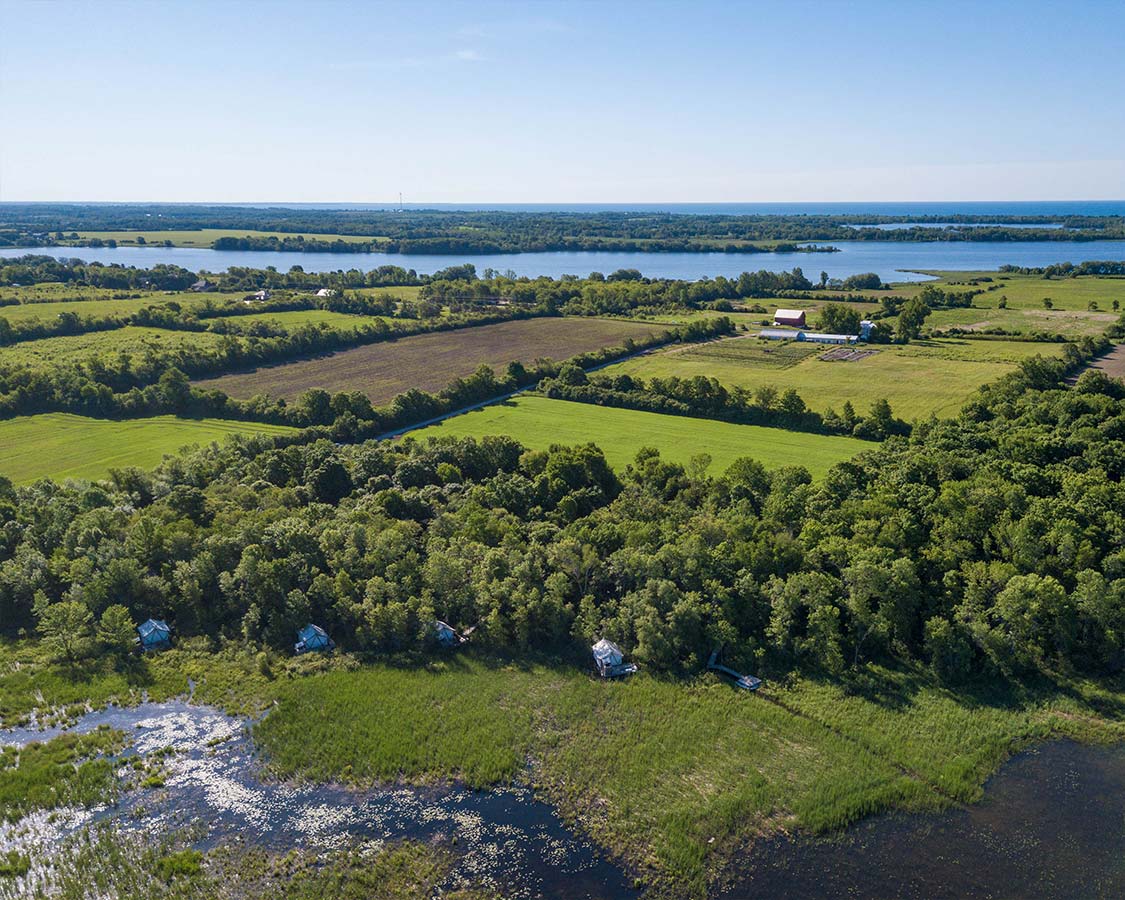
column 538, row 423
column 68, row 770
column 924, row 377
column 298, row 318
column 954, row 741
column 132, row 340
column 1022, row 291
column 205, row 237
column 60, row 292
column 62, row 445
column 1071, row 324
column 431, row 361
column 407, row 292
column 1029, row 291
column 100, row 308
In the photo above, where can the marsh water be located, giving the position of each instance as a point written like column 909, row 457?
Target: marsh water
column 505, row 838
column 891, row 260
column 1051, row 824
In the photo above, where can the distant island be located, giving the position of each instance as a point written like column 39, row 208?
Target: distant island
column 494, row 232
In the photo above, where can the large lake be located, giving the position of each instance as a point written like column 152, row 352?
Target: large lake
column 889, row 259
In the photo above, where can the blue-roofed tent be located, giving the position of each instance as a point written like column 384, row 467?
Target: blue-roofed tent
column 154, row 635
column 313, row 637
column 446, row 635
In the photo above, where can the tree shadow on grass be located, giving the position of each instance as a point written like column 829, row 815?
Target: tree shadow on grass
column 135, row 669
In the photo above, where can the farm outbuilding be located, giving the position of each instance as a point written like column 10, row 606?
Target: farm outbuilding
column 154, row 635
column 326, row 292
column 813, row 337
column 794, row 318
column 610, row 660
column 313, row 638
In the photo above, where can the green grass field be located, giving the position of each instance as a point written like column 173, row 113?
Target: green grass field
column 538, row 423
column 1029, row 291
column 98, row 308
column 61, row 445
column 1071, row 324
column 131, row 340
column 917, row 379
column 297, row 318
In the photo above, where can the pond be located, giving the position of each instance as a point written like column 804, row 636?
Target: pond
column 504, row 838
column 891, row 260
column 1051, row 825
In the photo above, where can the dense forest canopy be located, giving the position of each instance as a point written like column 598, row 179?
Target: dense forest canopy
column 444, row 231
column 989, row 543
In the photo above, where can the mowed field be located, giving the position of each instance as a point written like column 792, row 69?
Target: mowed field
column 1070, row 323
column 1029, row 291
column 538, row 422
column 432, row 361
column 61, row 445
column 933, row 376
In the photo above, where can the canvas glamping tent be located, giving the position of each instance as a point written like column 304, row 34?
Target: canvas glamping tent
column 610, row 660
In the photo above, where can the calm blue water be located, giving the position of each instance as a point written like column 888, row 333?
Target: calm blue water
column 892, row 261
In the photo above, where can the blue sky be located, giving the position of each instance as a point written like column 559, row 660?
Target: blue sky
column 561, row 102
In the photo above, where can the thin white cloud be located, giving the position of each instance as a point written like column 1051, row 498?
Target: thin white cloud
column 468, row 56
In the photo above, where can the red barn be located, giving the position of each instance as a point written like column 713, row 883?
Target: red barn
column 794, row 318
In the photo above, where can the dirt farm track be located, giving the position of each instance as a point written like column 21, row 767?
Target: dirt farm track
column 1113, row 363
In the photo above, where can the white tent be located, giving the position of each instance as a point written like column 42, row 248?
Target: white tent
column 610, row 660
column 608, row 653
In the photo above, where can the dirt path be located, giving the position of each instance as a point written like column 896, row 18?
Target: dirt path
column 1113, row 364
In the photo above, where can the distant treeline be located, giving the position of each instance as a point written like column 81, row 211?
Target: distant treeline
column 442, row 231
column 1070, row 270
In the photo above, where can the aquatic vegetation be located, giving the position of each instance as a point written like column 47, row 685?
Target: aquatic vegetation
column 13, row 864
column 141, row 867
column 68, row 770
